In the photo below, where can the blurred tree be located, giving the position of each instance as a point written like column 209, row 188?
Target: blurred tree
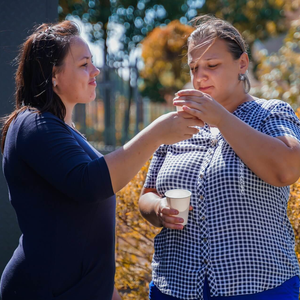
column 164, row 55
column 136, row 17
column 254, row 19
column 279, row 73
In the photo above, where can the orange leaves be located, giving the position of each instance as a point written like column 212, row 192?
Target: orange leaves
column 164, row 53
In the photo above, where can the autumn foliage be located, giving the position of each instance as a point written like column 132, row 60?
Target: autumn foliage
column 134, row 239
column 279, row 73
column 294, row 209
column 164, row 55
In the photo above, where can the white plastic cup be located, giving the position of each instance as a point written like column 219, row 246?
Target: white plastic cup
column 179, row 108
column 179, row 199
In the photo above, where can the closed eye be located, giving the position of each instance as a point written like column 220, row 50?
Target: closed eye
column 213, row 66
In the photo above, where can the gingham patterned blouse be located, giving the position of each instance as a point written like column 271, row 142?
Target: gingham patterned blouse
column 238, row 234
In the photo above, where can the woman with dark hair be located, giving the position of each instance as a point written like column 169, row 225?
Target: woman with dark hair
column 238, row 243
column 61, row 188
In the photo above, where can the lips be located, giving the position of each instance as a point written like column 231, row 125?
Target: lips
column 93, row 82
column 203, row 89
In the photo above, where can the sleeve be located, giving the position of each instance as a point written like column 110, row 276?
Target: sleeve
column 48, row 147
column 155, row 165
column 282, row 121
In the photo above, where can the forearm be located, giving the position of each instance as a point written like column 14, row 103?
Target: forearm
column 148, row 205
column 273, row 160
column 125, row 162
column 170, row 128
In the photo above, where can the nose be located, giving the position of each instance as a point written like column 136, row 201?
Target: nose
column 95, row 71
column 200, row 75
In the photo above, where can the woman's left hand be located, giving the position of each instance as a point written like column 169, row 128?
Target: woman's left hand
column 200, row 105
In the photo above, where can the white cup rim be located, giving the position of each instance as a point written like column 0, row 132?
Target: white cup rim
column 167, row 193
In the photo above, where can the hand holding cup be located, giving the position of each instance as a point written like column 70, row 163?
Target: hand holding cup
column 174, row 209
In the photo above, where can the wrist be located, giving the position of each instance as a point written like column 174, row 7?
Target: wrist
column 225, row 118
column 157, row 211
column 154, row 134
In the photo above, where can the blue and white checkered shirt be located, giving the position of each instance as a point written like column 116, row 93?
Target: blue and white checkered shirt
column 238, row 233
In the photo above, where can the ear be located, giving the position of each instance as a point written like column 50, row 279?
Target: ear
column 243, row 63
column 54, row 77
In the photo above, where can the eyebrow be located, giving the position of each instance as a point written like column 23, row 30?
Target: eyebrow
column 193, row 62
column 86, row 57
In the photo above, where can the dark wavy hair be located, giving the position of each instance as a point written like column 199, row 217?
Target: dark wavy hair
column 45, row 48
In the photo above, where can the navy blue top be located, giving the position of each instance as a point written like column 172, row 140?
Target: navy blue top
column 60, row 188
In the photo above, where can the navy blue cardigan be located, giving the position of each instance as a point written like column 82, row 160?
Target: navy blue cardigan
column 60, row 188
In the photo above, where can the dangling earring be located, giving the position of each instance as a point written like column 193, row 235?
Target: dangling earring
column 54, row 83
column 244, row 78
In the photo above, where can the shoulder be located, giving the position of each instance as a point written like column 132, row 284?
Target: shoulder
column 35, row 118
column 272, row 104
column 32, row 120
column 32, row 125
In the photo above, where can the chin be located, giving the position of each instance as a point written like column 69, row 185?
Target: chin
column 92, row 97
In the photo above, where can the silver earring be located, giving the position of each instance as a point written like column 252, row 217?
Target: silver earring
column 242, row 77
column 54, row 83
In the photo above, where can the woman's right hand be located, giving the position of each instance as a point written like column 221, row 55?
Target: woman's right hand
column 173, row 127
column 168, row 216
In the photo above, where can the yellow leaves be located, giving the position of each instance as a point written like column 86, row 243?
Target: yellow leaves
column 279, row 73
column 134, row 242
column 271, row 27
column 293, row 210
column 167, row 79
column 250, row 4
column 279, row 3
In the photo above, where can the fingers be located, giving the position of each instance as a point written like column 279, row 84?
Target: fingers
column 169, row 219
column 195, row 122
column 194, row 112
column 185, row 115
column 189, row 92
column 191, row 131
column 189, row 103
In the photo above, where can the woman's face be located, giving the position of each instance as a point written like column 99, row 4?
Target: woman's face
column 76, row 82
column 214, row 71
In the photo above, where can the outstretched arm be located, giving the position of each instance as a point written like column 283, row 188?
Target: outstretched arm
column 125, row 162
